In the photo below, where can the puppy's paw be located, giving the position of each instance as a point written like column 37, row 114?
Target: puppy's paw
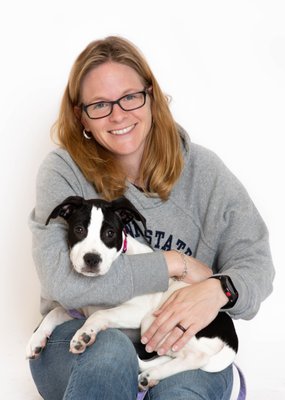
column 83, row 338
column 145, row 381
column 36, row 344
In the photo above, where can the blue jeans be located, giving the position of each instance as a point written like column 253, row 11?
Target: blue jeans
column 108, row 370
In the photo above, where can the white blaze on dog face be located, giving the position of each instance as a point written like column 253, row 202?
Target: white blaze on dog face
column 94, row 255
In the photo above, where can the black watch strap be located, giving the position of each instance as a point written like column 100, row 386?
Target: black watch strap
column 229, row 290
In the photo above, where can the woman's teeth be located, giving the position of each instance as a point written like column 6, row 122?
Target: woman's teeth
column 122, row 131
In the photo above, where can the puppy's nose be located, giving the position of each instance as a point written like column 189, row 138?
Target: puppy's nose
column 92, row 260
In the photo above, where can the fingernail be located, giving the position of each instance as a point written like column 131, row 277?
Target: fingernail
column 160, row 352
column 149, row 349
column 144, row 340
column 174, row 348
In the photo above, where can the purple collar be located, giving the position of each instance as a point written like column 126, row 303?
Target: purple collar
column 141, row 395
column 75, row 314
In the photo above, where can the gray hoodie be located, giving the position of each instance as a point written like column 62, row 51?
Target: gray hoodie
column 208, row 214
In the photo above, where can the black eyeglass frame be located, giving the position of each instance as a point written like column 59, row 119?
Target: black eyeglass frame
column 84, row 107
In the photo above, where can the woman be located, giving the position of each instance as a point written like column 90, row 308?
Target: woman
column 117, row 136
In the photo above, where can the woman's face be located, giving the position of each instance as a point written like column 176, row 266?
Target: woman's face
column 122, row 132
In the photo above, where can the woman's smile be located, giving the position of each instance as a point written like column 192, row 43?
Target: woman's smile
column 122, row 131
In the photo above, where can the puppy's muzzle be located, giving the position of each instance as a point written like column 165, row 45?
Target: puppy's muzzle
column 92, row 262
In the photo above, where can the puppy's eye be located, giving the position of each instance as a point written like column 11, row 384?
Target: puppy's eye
column 109, row 233
column 79, row 230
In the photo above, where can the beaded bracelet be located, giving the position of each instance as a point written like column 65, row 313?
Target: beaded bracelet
column 185, row 270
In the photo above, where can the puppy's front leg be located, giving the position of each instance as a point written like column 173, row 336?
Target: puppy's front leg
column 127, row 315
column 39, row 338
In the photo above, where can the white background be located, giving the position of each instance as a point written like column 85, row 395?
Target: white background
column 223, row 63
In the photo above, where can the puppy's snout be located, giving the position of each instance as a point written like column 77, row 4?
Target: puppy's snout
column 92, row 260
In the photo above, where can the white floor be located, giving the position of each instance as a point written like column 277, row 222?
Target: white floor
column 16, row 380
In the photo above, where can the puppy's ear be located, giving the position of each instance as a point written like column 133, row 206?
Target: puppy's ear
column 127, row 211
column 66, row 208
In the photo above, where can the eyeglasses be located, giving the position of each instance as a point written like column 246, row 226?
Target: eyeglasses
column 129, row 102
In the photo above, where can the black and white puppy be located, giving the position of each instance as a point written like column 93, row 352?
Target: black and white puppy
column 96, row 238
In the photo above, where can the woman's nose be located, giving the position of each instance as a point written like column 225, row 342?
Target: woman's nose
column 118, row 113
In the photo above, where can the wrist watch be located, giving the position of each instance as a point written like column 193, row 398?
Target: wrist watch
column 228, row 288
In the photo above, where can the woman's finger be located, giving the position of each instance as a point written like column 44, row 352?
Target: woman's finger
column 183, row 339
column 170, row 340
column 157, row 329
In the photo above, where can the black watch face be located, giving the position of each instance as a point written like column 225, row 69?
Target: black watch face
column 230, row 285
column 233, row 294
column 229, row 290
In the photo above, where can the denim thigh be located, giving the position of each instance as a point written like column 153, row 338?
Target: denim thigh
column 108, row 369
column 194, row 385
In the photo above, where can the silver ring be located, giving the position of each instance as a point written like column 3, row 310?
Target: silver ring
column 181, row 327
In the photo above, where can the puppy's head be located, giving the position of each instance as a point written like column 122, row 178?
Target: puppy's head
column 95, row 231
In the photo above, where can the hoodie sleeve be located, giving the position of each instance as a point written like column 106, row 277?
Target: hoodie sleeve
column 235, row 229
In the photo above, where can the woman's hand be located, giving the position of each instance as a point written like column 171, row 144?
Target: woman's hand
column 194, row 307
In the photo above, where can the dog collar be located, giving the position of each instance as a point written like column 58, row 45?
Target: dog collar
column 125, row 243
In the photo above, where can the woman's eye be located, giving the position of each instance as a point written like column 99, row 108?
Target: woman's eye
column 130, row 97
column 99, row 106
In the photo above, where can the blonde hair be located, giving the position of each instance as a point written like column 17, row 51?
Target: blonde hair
column 162, row 159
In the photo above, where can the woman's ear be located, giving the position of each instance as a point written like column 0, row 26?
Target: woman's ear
column 81, row 117
column 78, row 113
